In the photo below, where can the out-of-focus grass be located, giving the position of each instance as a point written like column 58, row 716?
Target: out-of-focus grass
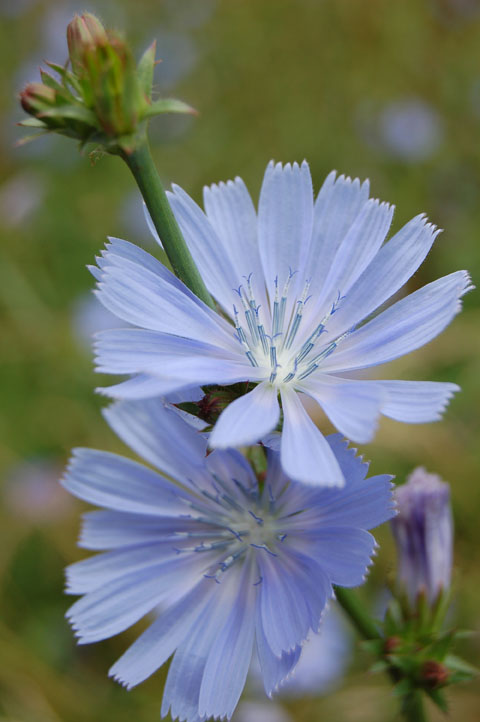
column 280, row 79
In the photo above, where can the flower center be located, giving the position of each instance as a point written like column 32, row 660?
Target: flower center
column 281, row 352
column 238, row 525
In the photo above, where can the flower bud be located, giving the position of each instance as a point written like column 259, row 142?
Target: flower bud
column 104, row 97
column 36, row 97
column 84, row 33
column 423, row 531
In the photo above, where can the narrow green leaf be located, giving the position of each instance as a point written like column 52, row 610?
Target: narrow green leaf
column 32, row 123
column 168, row 105
column 30, row 138
column 460, row 665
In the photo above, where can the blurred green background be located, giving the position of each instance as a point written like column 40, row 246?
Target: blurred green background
column 389, row 91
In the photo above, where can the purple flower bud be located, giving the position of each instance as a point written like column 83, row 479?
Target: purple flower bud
column 423, row 532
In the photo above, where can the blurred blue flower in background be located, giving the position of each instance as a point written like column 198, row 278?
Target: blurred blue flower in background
column 231, row 563
column 296, row 283
column 410, row 129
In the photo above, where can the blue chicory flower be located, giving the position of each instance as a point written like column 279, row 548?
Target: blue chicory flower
column 423, row 531
column 230, row 563
column 295, row 284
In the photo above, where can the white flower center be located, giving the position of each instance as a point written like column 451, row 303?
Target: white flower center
column 282, row 354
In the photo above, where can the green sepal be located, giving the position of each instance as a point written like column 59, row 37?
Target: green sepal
column 438, row 697
column 403, row 688
column 32, row 123
column 72, row 112
column 439, row 647
column 373, row 646
column 145, row 69
column 379, row 666
column 168, row 105
column 459, row 667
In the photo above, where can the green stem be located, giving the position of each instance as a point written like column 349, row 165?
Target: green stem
column 413, row 709
column 140, row 162
column 359, row 616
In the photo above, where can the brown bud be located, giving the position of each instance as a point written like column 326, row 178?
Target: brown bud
column 434, row 674
column 391, row 644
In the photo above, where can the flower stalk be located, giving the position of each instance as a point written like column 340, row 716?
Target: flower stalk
column 140, row 162
column 358, row 615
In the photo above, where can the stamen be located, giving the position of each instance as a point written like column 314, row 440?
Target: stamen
column 258, row 519
column 264, row 547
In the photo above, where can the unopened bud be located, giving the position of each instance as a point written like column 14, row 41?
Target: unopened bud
column 84, row 33
column 36, row 97
column 423, row 531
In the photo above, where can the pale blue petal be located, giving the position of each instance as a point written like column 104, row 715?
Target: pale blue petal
column 122, row 602
column 114, row 529
column 231, row 212
column 144, row 298
column 353, row 406
column 359, row 246
column 338, row 204
column 118, row 251
column 305, row 454
column 393, row 265
column 191, row 394
column 404, row 327
column 138, row 387
column 176, row 362
column 160, row 640
column 92, row 573
column 148, row 427
column 231, row 464
column 275, row 479
column 248, row 418
column 362, row 503
column 182, row 688
column 150, row 224
column 345, row 553
column 274, row 670
column 130, row 350
column 285, row 221
column 210, row 253
column 293, row 593
column 230, row 654
column 115, row 482
column 416, row 402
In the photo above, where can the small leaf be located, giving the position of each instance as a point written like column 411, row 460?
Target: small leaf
column 168, row 105
column 145, row 69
